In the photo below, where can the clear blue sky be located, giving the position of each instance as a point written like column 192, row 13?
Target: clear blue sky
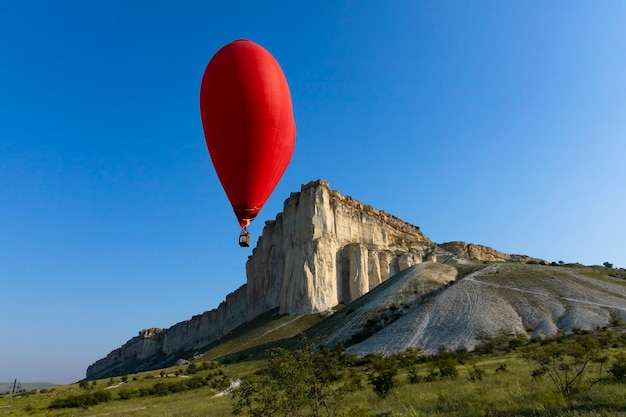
column 497, row 123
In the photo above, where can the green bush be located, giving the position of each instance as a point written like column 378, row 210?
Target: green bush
column 414, row 376
column 618, row 369
column 126, row 393
column 192, row 368
column 566, row 364
column 474, row 373
column 82, row 400
column 447, row 368
column 303, row 382
column 382, row 376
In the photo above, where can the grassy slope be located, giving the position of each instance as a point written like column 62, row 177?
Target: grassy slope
column 511, row 393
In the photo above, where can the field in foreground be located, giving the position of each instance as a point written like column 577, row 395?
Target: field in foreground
column 497, row 381
column 282, row 373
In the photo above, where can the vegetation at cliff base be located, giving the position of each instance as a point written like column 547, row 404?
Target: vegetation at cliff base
column 275, row 366
column 580, row 374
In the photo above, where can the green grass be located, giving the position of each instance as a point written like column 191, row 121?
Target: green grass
column 509, row 393
column 469, row 268
column 254, row 338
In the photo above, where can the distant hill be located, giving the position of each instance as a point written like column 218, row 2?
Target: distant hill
column 7, row 387
column 400, row 288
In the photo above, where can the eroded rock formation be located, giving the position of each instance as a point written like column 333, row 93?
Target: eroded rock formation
column 323, row 249
column 484, row 253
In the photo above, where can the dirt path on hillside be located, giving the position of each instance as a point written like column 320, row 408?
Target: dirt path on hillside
column 502, row 298
column 564, row 287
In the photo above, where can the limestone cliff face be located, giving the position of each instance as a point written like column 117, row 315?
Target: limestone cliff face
column 484, row 253
column 326, row 249
column 322, row 250
column 155, row 348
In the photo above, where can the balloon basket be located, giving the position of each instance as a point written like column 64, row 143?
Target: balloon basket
column 244, row 238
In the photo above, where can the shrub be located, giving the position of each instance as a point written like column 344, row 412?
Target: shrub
column 293, row 382
column 209, row 365
column 501, row 368
column 447, row 368
column 82, row 400
column 413, row 375
column 353, row 381
column 160, row 389
column 383, row 381
column 126, row 393
column 382, row 376
column 410, row 357
column 618, row 369
column 566, row 364
column 474, row 373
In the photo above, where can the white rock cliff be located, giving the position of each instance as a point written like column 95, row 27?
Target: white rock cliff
column 322, row 250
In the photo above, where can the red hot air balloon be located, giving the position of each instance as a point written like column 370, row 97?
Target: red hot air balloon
column 248, row 124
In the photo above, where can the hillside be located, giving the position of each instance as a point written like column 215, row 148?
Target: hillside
column 7, row 387
column 326, row 249
column 432, row 306
column 471, row 302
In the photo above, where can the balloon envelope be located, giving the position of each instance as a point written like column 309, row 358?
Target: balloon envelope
column 248, row 124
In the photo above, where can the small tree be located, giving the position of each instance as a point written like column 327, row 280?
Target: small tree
column 447, row 367
column 295, row 382
column 382, row 376
column 618, row 369
column 413, row 375
column 608, row 265
column 566, row 364
column 192, row 368
column 474, row 373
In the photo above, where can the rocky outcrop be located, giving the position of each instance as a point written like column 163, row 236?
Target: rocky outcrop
column 325, row 249
column 155, row 348
column 484, row 253
column 322, row 250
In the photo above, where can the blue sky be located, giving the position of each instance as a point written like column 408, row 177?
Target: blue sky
column 497, row 123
